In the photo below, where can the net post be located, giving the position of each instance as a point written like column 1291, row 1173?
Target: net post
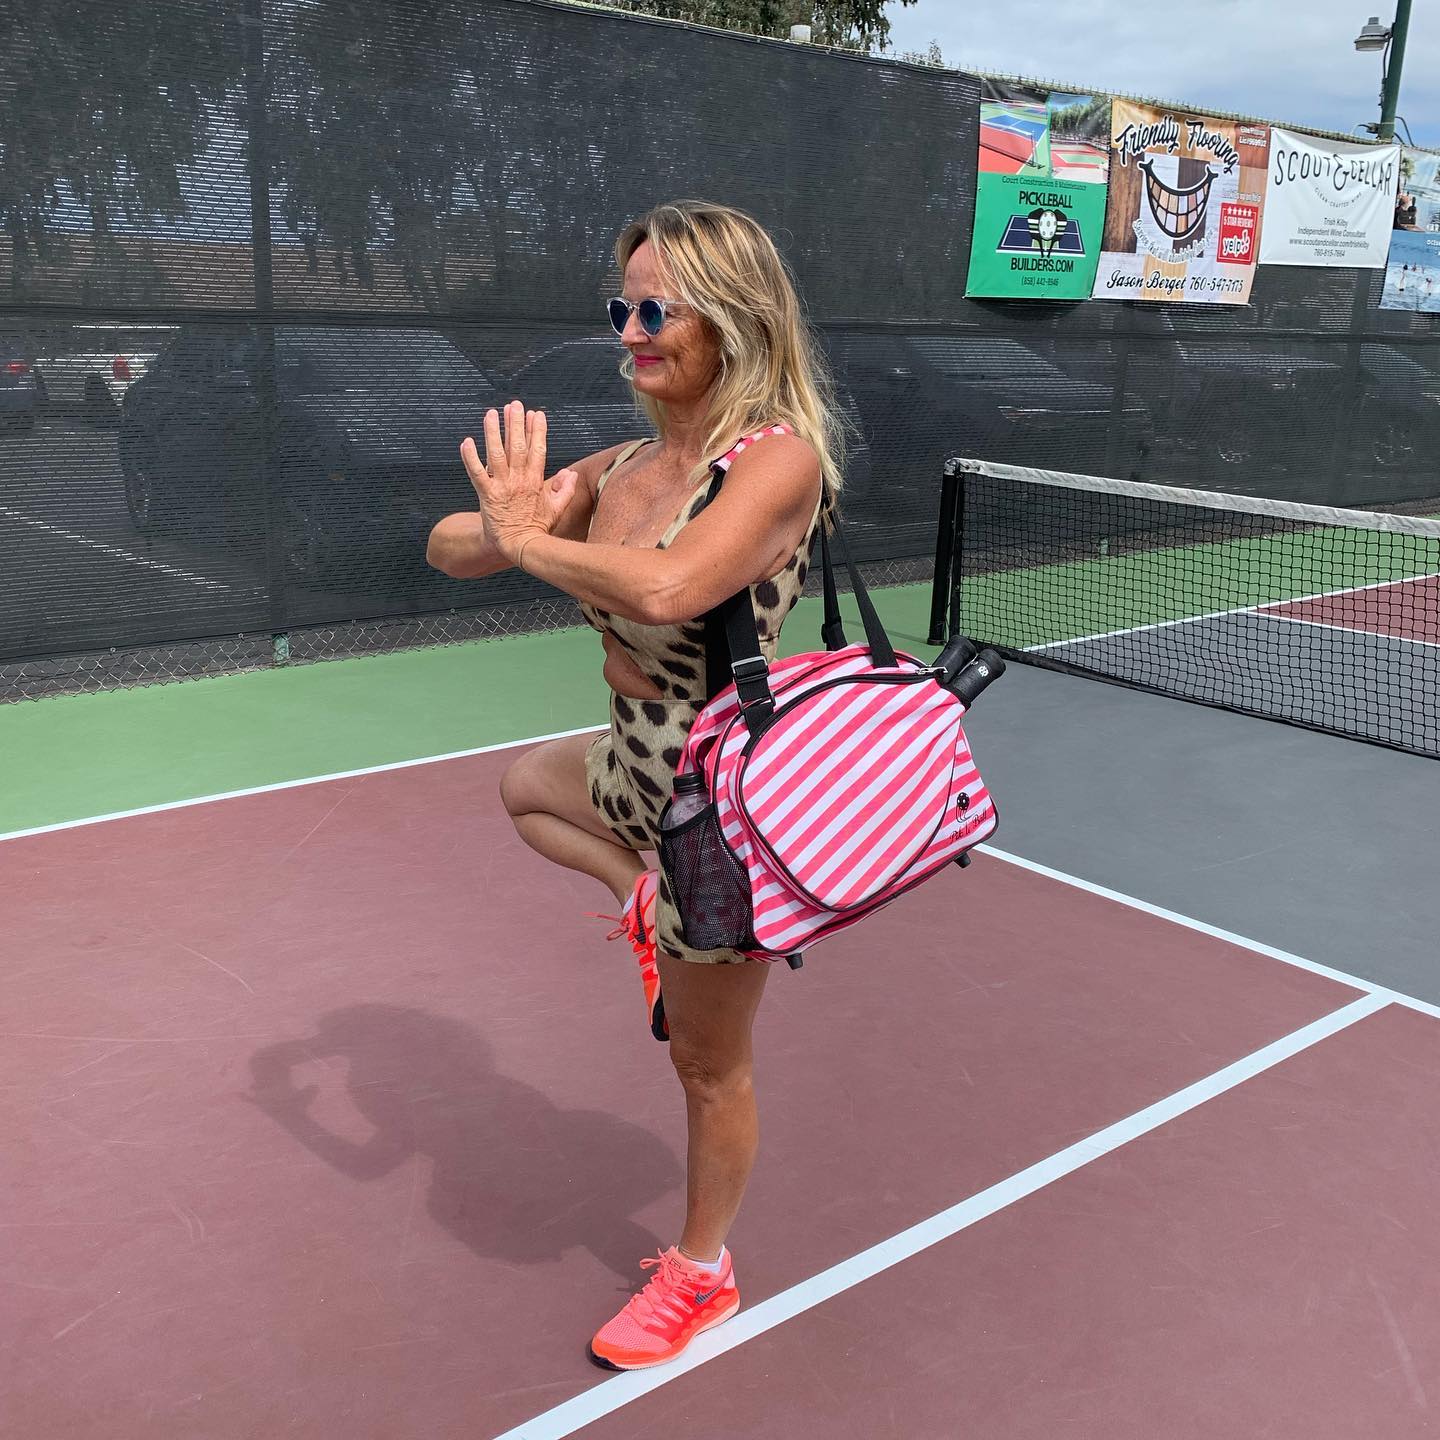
column 944, row 551
column 957, row 551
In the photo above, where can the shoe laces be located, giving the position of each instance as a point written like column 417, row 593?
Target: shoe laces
column 627, row 927
column 631, row 922
column 667, row 1298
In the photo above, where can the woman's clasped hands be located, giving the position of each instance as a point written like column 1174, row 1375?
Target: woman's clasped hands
column 517, row 501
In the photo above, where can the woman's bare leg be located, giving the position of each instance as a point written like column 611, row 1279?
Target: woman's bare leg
column 711, row 1010
column 548, row 797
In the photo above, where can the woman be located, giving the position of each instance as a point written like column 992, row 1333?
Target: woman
column 717, row 351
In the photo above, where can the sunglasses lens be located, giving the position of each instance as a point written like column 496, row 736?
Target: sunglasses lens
column 619, row 315
column 652, row 316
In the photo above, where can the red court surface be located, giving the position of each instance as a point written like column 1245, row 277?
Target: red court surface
column 1406, row 609
column 329, row 1114
column 999, row 162
column 1266, row 1265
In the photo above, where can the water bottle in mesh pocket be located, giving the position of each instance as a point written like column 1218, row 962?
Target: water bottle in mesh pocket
column 710, row 890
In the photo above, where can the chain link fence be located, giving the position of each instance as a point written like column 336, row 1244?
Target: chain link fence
column 263, row 263
column 89, row 671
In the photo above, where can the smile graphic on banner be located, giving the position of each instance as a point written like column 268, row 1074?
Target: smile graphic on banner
column 1040, row 198
column 1186, row 201
column 1179, row 211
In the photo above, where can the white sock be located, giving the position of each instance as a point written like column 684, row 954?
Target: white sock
column 710, row 1267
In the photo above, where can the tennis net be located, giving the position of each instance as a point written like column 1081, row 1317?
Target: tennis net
column 1317, row 616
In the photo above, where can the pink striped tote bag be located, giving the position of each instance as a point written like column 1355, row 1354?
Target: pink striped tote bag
column 814, row 791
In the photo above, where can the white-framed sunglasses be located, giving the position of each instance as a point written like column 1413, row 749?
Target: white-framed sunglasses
column 653, row 313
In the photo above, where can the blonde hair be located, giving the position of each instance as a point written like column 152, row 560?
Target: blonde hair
column 726, row 268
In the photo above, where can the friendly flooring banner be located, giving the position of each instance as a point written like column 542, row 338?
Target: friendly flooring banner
column 1187, row 201
column 1329, row 202
column 1412, row 277
column 1040, row 196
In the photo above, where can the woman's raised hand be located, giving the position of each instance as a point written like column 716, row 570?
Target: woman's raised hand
column 516, row 499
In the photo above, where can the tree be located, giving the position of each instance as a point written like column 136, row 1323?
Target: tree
column 1087, row 119
column 931, row 56
column 404, row 133
column 102, row 108
column 849, row 24
column 366, row 143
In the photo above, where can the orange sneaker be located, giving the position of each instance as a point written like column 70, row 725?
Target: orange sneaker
column 681, row 1301
column 637, row 924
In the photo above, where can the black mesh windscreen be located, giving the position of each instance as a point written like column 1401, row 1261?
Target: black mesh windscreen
column 214, row 425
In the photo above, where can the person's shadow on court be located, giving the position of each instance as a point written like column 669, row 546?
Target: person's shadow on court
column 513, row 1176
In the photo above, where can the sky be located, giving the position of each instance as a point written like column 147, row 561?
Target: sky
column 1288, row 60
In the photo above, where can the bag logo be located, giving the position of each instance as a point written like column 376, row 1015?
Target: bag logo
column 967, row 822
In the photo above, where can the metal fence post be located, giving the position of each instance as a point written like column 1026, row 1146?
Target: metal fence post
column 1120, row 376
column 1349, row 411
column 252, row 22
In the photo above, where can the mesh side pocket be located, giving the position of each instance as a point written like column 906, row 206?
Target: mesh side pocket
column 710, row 889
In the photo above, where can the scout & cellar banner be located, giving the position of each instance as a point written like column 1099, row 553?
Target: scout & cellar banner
column 1040, row 195
column 1187, row 198
column 1329, row 202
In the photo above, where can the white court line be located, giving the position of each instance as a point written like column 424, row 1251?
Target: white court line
column 610, row 1395
column 112, row 550
column 1258, row 947
column 1255, row 609
column 1348, row 629
column 292, row 784
column 1396, row 997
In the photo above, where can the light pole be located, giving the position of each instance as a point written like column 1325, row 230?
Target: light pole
column 1375, row 36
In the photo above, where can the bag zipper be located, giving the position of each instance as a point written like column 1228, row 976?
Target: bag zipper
column 861, row 679
column 784, row 685
column 717, row 743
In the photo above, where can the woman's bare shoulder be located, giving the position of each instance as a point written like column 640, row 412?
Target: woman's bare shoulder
column 785, row 461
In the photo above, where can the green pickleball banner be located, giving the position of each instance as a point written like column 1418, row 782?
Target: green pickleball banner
column 1040, row 197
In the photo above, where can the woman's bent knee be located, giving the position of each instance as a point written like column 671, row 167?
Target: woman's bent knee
column 530, row 782
column 549, row 779
column 516, row 792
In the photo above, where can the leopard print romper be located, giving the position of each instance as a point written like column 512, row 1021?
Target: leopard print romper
column 630, row 767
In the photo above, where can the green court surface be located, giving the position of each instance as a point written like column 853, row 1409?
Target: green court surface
column 1045, row 604
column 78, row 756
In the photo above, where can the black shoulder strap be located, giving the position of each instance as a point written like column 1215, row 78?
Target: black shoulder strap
column 832, row 632
column 717, row 663
column 732, row 637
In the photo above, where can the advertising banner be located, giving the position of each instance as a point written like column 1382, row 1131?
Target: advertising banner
column 1040, row 195
column 1187, row 201
column 1329, row 202
column 1412, row 277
